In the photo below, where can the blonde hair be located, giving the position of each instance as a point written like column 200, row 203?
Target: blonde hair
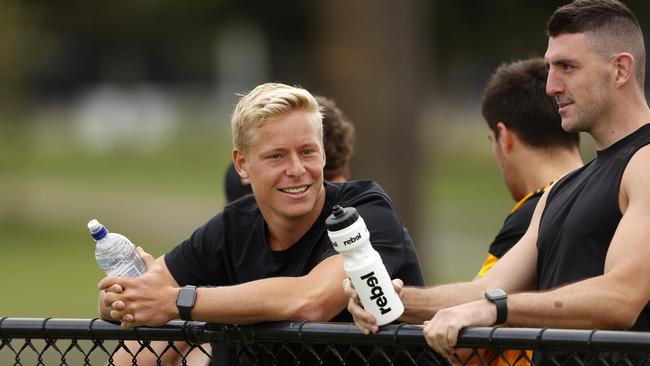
column 270, row 100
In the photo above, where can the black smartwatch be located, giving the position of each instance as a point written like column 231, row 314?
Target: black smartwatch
column 499, row 298
column 185, row 301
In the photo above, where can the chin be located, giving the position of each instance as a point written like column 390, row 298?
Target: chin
column 568, row 125
column 297, row 212
column 298, row 209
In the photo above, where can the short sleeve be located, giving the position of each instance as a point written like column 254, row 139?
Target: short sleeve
column 198, row 260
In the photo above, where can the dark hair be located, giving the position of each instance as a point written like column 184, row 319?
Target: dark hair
column 615, row 26
column 338, row 140
column 235, row 188
column 589, row 15
column 516, row 95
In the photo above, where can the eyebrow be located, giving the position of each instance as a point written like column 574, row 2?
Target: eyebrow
column 271, row 150
column 562, row 61
column 277, row 149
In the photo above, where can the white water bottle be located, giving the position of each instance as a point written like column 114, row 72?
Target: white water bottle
column 350, row 237
column 115, row 254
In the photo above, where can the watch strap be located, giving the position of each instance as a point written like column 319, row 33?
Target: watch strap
column 502, row 310
column 184, row 310
column 500, row 299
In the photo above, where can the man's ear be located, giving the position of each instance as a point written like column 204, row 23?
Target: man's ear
column 624, row 67
column 505, row 137
column 240, row 163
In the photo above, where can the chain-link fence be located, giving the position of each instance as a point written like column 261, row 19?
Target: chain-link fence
column 30, row 341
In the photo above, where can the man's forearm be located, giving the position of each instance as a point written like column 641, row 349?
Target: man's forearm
column 595, row 303
column 280, row 298
column 317, row 296
column 421, row 304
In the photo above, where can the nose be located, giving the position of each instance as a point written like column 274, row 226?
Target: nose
column 295, row 166
column 554, row 85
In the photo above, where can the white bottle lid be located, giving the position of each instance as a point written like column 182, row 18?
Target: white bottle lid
column 97, row 230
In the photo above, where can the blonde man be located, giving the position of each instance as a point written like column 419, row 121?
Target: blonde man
column 265, row 257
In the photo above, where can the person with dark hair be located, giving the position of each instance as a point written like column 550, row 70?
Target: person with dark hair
column 234, row 185
column 338, row 137
column 528, row 142
column 582, row 263
column 532, row 152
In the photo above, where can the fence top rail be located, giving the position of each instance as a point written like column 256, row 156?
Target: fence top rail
column 333, row 333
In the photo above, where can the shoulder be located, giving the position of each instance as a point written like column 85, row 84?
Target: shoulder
column 241, row 209
column 641, row 157
column 515, row 226
column 520, row 218
column 235, row 214
column 372, row 203
column 636, row 178
column 354, row 192
column 527, row 208
column 568, row 179
column 244, row 205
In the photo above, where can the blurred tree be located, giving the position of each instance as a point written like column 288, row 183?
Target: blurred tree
column 18, row 48
column 371, row 57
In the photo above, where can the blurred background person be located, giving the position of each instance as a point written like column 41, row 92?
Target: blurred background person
column 529, row 145
column 234, row 186
column 531, row 150
column 338, row 137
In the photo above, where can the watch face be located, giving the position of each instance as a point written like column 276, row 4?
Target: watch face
column 186, row 297
column 495, row 294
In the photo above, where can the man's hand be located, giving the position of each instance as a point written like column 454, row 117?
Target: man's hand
column 145, row 300
column 441, row 332
column 363, row 319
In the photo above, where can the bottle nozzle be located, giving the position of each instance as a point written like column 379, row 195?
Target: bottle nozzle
column 338, row 211
column 341, row 217
column 97, row 230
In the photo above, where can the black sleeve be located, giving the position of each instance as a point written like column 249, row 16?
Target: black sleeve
column 199, row 260
column 328, row 250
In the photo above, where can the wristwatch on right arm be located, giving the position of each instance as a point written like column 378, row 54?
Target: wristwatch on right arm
column 499, row 298
column 185, row 301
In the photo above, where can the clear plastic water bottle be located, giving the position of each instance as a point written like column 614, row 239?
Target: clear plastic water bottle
column 350, row 237
column 115, row 254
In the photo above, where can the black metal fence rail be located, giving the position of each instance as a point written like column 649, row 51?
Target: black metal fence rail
column 54, row 341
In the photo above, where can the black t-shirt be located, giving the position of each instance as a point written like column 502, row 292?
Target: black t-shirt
column 231, row 248
column 581, row 216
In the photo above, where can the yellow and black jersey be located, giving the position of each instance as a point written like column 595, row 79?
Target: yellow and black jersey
column 514, row 227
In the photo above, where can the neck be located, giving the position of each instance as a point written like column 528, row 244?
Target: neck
column 631, row 113
column 284, row 232
column 541, row 167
